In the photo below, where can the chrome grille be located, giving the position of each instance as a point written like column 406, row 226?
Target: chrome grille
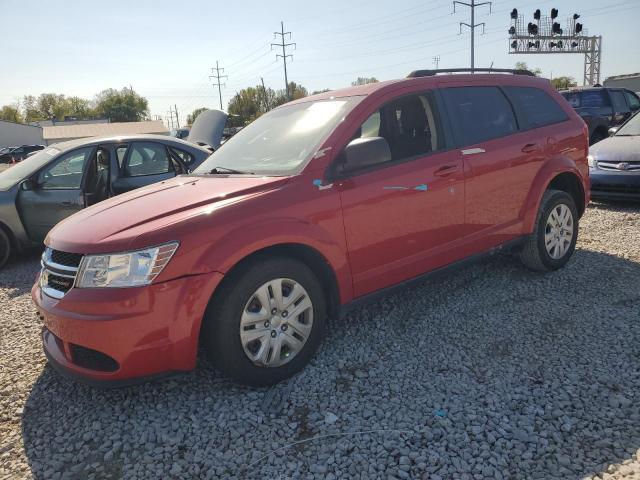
column 59, row 270
column 619, row 166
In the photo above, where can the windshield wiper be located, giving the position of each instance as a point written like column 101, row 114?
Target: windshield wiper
column 223, row 170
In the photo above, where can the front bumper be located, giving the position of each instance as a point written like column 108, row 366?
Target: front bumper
column 120, row 335
column 611, row 185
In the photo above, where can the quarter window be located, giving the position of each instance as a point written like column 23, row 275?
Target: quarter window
column 66, row 173
column 479, row 113
column 147, row 159
column 187, row 158
column 535, row 107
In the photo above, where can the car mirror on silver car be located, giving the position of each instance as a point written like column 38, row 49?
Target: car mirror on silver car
column 28, row 185
column 612, row 131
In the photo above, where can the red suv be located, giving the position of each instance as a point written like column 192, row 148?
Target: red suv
column 317, row 206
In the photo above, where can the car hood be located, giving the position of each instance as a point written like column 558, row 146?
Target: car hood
column 115, row 224
column 617, row 148
column 207, row 128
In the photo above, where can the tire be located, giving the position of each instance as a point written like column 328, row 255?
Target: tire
column 236, row 304
column 535, row 254
column 5, row 248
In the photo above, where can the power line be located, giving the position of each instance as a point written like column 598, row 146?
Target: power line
column 436, row 61
column 284, row 55
column 472, row 26
column 218, row 77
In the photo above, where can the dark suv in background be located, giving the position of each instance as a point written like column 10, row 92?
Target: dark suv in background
column 18, row 154
column 602, row 108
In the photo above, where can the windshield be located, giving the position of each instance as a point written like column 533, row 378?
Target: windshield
column 280, row 141
column 26, row 168
column 631, row 128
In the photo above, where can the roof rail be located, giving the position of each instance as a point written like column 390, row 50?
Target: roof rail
column 431, row 73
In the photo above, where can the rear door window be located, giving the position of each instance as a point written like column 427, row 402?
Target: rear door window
column 147, row 159
column 479, row 113
column 593, row 99
column 535, row 107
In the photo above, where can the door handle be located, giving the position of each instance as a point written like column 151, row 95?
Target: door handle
column 446, row 170
column 531, row 147
column 473, row 151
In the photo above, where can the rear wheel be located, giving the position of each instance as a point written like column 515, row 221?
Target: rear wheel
column 553, row 240
column 266, row 322
column 5, row 248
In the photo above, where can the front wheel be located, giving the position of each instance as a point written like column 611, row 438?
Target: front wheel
column 554, row 237
column 266, row 322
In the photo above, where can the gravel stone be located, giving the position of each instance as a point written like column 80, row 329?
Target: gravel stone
column 491, row 372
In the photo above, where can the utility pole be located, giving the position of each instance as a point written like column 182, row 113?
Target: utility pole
column 218, row 77
column 436, row 61
column 176, row 110
column 284, row 55
column 169, row 118
column 267, row 106
column 472, row 26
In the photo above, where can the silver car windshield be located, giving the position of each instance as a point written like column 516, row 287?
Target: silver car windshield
column 631, row 128
column 280, row 141
column 24, row 169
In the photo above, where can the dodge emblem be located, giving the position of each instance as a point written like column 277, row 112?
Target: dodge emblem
column 622, row 166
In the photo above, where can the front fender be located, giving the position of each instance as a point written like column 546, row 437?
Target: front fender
column 553, row 168
column 240, row 243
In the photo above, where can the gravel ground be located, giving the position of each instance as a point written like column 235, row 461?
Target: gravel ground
column 494, row 372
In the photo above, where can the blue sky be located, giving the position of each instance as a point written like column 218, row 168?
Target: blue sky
column 164, row 49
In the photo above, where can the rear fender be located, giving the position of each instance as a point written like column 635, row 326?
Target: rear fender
column 545, row 176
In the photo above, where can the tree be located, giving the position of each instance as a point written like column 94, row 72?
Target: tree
column 364, row 81
column 30, row 109
column 11, row 113
column 52, row 106
column 79, row 107
column 192, row 116
column 249, row 103
column 523, row 66
column 320, row 91
column 562, row 83
column 122, row 105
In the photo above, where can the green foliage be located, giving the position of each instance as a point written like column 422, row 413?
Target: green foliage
column 523, row 66
column 563, row 83
column 11, row 113
column 122, row 105
column 363, row 81
column 249, row 103
column 192, row 116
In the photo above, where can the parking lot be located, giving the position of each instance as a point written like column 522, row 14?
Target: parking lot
column 494, row 372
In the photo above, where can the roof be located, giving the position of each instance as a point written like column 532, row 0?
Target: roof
column 177, row 142
column 101, row 129
column 625, row 76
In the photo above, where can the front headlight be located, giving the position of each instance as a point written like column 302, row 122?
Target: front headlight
column 591, row 161
column 129, row 269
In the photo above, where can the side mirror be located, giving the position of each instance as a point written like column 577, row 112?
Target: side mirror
column 364, row 152
column 28, row 185
column 612, row 131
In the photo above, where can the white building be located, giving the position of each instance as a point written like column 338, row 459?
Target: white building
column 16, row 134
column 62, row 133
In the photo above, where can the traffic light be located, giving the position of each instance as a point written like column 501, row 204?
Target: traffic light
column 532, row 28
column 578, row 27
column 555, row 28
column 554, row 13
column 514, row 13
column 512, row 31
column 536, row 14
